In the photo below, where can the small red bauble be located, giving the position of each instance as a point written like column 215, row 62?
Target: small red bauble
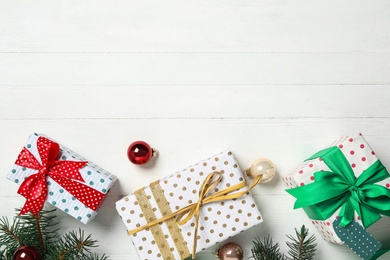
column 26, row 253
column 140, row 152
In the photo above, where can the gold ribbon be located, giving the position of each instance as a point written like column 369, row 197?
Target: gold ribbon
column 183, row 215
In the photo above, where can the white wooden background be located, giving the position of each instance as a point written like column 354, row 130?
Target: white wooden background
column 268, row 78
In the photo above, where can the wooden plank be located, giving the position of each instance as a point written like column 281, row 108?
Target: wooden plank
column 193, row 102
column 111, row 69
column 181, row 26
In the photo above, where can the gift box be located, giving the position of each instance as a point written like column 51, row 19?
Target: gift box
column 47, row 171
column 227, row 209
column 343, row 188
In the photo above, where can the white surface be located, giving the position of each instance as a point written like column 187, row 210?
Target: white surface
column 273, row 79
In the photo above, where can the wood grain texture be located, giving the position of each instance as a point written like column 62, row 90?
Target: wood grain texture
column 201, row 26
column 269, row 78
column 124, row 69
column 196, row 102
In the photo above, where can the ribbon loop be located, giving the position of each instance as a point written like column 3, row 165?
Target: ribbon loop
column 65, row 173
column 208, row 184
column 339, row 188
column 205, row 197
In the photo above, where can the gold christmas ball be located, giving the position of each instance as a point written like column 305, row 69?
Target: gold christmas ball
column 230, row 251
column 262, row 167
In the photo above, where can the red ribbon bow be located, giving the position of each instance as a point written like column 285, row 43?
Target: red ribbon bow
column 65, row 173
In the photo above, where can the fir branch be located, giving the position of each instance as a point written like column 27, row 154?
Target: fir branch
column 266, row 250
column 74, row 245
column 41, row 233
column 3, row 254
column 9, row 233
column 10, row 237
column 302, row 247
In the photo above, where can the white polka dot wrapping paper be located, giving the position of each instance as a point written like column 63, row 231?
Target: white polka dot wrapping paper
column 217, row 222
column 81, row 193
column 360, row 158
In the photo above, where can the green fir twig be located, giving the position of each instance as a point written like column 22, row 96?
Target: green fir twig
column 9, row 235
column 266, row 249
column 301, row 247
column 73, row 244
column 41, row 233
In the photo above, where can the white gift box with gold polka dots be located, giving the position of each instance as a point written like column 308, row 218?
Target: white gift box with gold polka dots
column 218, row 220
column 92, row 175
column 360, row 156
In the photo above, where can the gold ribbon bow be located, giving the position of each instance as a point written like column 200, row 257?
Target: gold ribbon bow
column 183, row 215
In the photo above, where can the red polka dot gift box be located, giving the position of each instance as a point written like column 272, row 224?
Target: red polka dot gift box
column 48, row 171
column 343, row 188
column 190, row 210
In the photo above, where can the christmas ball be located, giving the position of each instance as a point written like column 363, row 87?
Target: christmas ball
column 26, row 253
column 230, row 251
column 262, row 167
column 140, row 152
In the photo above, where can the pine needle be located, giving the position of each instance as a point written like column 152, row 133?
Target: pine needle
column 302, row 247
column 41, row 232
column 266, row 249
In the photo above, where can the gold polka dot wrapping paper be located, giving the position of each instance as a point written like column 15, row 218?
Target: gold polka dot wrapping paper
column 217, row 220
column 92, row 183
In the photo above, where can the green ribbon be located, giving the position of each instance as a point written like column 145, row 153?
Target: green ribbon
column 380, row 252
column 339, row 188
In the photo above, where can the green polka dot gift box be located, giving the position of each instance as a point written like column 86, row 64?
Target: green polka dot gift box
column 190, row 210
column 343, row 189
column 48, row 171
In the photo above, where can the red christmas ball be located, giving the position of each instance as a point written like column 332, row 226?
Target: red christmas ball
column 26, row 253
column 140, row 152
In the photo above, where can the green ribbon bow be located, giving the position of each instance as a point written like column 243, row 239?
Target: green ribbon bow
column 340, row 188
